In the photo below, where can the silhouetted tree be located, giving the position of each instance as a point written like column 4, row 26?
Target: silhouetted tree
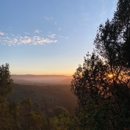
column 5, row 82
column 113, row 38
column 103, row 94
column 102, row 85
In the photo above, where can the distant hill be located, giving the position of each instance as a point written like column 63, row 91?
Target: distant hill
column 32, row 76
column 34, row 79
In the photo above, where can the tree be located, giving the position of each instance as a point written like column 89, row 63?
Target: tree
column 5, row 82
column 102, row 84
column 60, row 110
column 113, row 38
column 103, row 94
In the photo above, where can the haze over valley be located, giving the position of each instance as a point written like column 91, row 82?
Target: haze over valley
column 65, row 65
column 46, row 79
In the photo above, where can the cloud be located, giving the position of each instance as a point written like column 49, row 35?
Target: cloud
column 52, row 35
column 48, row 18
column 15, row 40
column 11, row 39
column 25, row 40
column 1, row 33
column 63, row 37
column 37, row 31
column 38, row 40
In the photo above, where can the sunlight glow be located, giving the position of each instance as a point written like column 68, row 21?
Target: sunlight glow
column 110, row 75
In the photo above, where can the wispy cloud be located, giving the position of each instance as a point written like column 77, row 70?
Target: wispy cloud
column 48, row 18
column 25, row 40
column 37, row 31
column 39, row 40
column 51, row 35
column 1, row 33
column 11, row 39
column 63, row 37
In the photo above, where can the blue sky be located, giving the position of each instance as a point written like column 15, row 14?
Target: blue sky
column 49, row 36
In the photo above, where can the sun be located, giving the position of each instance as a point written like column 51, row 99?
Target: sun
column 110, row 75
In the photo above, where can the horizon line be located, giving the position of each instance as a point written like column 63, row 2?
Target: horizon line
column 39, row 75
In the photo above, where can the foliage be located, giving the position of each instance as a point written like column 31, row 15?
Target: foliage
column 113, row 38
column 103, row 100
column 102, row 86
column 26, row 115
column 46, row 95
column 64, row 122
column 60, row 110
column 22, row 116
column 102, row 83
column 13, row 117
column 5, row 82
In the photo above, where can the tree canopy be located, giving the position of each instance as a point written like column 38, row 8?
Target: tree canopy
column 102, row 84
column 113, row 38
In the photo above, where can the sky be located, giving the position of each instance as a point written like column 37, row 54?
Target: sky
column 49, row 36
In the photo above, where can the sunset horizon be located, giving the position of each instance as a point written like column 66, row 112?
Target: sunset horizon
column 47, row 37
column 42, row 75
column 65, row 65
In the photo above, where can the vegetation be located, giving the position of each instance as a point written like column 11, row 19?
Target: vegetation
column 102, row 86
column 48, row 96
column 103, row 95
column 102, row 83
column 17, row 113
column 113, row 38
column 5, row 82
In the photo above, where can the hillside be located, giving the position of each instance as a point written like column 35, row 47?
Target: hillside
column 48, row 96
